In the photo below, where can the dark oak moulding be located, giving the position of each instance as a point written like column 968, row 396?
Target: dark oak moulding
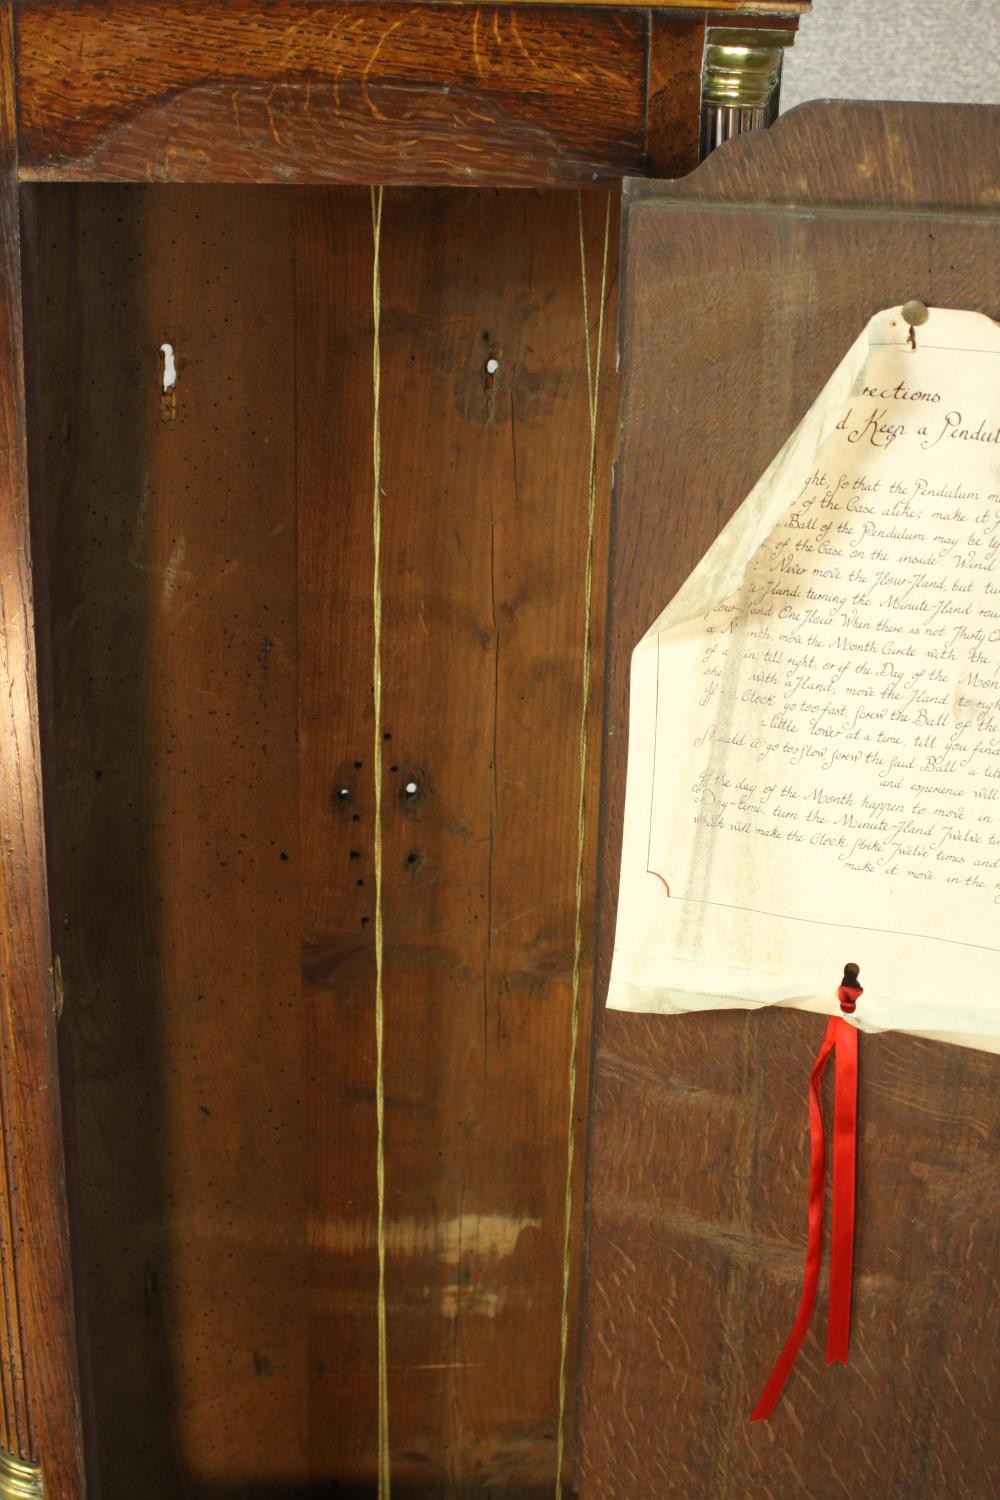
column 509, row 95
column 343, row 93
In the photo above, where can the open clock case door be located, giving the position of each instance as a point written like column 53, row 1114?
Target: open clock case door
column 742, row 287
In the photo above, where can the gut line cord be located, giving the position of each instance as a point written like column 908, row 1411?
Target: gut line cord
column 384, row 1482
column 593, row 397
column 593, row 364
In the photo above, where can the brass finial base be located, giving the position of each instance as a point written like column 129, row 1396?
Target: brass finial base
column 20, row 1480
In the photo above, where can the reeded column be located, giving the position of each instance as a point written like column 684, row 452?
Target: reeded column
column 741, row 81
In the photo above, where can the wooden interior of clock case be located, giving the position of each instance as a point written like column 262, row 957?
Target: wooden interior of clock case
column 204, row 599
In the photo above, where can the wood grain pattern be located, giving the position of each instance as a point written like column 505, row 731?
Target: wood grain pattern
column 333, row 290
column 698, row 1174
column 39, row 1409
column 171, row 546
column 874, row 155
column 673, row 111
column 482, row 693
column 211, row 643
column 483, row 509
column 293, row 92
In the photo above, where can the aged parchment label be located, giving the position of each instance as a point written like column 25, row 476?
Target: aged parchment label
column 814, row 731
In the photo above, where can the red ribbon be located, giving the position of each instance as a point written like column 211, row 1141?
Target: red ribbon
column 841, row 1041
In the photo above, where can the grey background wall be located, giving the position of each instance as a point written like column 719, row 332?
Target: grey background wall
column 936, row 50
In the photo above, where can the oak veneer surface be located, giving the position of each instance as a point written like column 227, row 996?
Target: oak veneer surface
column 210, row 789
column 741, row 293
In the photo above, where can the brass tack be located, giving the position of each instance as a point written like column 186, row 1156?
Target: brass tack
column 914, row 313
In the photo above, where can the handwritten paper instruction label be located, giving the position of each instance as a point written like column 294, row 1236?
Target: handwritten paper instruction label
column 814, row 762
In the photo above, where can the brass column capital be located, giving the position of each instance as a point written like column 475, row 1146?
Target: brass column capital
column 741, row 80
